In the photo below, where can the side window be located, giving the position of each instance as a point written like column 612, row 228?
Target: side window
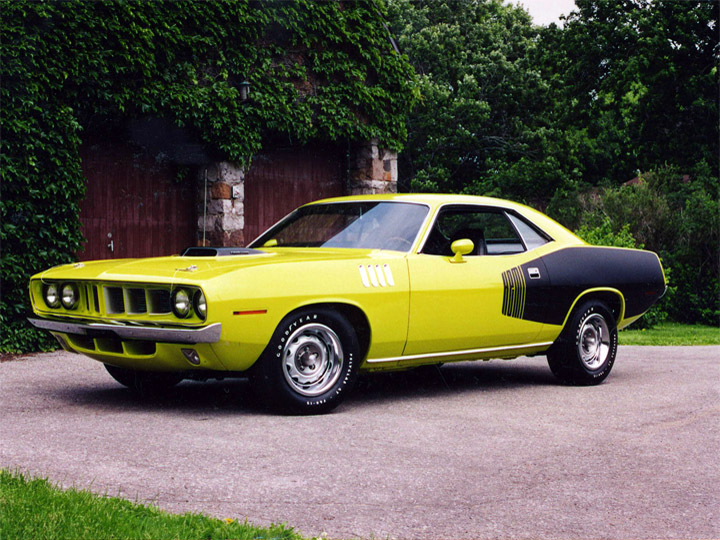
column 530, row 235
column 490, row 231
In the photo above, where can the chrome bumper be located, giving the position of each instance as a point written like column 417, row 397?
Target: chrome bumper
column 207, row 334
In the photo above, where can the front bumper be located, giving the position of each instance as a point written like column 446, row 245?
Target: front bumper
column 207, row 334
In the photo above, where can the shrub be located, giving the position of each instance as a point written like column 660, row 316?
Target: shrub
column 604, row 235
column 677, row 216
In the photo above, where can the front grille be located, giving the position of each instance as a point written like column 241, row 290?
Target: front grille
column 148, row 302
column 113, row 345
column 159, row 300
column 136, row 302
column 114, row 301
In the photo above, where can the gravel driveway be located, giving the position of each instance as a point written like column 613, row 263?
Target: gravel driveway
column 473, row 450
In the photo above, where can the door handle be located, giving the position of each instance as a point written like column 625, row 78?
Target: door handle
column 111, row 245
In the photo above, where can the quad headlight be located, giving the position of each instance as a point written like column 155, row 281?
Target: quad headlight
column 181, row 303
column 200, row 304
column 186, row 301
column 70, row 296
column 51, row 295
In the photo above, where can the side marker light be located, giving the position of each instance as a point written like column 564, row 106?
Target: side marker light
column 192, row 356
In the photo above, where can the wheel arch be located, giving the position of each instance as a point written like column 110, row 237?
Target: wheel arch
column 355, row 316
column 612, row 298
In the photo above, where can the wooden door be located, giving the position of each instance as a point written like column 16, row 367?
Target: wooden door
column 280, row 181
column 134, row 206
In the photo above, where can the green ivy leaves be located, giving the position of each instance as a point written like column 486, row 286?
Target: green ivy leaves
column 318, row 70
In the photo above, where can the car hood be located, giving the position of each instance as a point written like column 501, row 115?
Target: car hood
column 181, row 269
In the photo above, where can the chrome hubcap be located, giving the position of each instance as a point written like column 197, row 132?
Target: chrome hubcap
column 594, row 342
column 312, row 359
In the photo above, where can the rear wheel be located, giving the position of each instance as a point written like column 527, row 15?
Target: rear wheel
column 144, row 382
column 311, row 363
column 585, row 352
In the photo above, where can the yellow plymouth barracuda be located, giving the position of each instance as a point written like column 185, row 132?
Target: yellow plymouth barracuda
column 355, row 284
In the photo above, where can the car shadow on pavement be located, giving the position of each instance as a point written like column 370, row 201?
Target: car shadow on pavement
column 450, row 379
column 231, row 396
column 237, row 396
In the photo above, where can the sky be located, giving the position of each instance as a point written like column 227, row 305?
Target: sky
column 545, row 12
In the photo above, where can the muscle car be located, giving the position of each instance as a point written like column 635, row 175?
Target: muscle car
column 353, row 284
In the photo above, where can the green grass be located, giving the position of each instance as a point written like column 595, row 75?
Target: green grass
column 34, row 509
column 672, row 334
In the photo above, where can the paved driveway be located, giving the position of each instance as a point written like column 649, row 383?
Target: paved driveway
column 475, row 450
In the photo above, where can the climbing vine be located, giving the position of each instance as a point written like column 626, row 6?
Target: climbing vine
column 318, row 70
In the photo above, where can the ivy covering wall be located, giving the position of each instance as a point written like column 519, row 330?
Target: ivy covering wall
column 318, row 70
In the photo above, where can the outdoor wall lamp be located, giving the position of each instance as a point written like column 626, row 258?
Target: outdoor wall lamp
column 244, row 90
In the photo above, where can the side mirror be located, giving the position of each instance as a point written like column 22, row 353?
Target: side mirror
column 270, row 243
column 461, row 247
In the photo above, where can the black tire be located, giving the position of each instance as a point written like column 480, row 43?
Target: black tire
column 585, row 352
column 310, row 364
column 144, row 382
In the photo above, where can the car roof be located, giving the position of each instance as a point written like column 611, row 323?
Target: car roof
column 432, row 199
column 435, row 200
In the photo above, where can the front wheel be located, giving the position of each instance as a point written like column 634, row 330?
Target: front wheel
column 585, row 352
column 310, row 364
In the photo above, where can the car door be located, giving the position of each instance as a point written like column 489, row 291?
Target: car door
column 471, row 303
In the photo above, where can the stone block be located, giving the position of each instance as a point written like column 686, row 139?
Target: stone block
column 218, row 207
column 221, row 190
column 239, row 191
column 230, row 173
column 208, row 223
column 238, row 207
column 377, row 169
column 234, row 238
column 232, row 222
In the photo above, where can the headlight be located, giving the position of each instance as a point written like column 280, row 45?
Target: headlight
column 51, row 295
column 181, row 303
column 200, row 304
column 70, row 296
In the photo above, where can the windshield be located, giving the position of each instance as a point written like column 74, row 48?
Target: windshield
column 363, row 225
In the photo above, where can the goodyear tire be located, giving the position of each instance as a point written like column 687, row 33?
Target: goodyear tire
column 310, row 364
column 585, row 352
column 144, row 382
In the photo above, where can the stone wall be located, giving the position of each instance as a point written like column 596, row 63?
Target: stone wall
column 224, row 220
column 371, row 169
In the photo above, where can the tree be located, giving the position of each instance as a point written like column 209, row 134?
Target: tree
column 480, row 96
column 635, row 83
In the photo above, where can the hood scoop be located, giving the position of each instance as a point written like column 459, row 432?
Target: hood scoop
column 218, row 251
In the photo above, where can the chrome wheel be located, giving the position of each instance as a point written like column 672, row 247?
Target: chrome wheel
column 594, row 341
column 312, row 359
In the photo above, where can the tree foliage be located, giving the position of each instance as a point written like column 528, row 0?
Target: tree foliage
column 537, row 114
column 479, row 92
column 678, row 217
column 546, row 115
column 635, row 83
column 318, row 70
